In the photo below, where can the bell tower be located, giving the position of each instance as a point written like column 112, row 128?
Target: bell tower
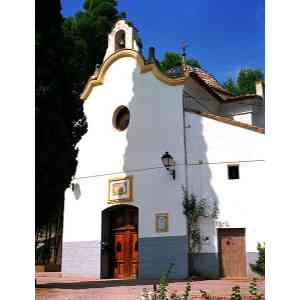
column 123, row 36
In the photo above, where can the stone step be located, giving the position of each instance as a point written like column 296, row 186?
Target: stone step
column 48, row 274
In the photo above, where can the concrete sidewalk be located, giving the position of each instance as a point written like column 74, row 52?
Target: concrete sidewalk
column 54, row 287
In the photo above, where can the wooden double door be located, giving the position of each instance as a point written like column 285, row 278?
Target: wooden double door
column 125, row 244
column 232, row 252
column 125, row 256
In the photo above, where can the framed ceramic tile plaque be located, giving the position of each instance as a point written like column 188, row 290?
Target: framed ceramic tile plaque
column 162, row 222
column 120, row 189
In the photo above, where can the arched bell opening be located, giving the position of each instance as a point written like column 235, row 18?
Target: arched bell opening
column 119, row 245
column 120, row 41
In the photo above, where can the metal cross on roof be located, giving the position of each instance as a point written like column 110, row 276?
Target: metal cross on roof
column 184, row 45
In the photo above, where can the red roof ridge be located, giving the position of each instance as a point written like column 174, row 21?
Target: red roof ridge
column 208, row 78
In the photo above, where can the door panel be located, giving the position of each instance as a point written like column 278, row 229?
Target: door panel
column 232, row 252
column 125, row 259
column 134, row 255
column 119, row 253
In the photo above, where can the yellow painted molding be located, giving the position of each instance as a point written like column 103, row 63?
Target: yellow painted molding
column 144, row 69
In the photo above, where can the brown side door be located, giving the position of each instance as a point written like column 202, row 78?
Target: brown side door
column 232, row 252
column 125, row 256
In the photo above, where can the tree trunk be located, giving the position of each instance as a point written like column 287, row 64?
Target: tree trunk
column 57, row 237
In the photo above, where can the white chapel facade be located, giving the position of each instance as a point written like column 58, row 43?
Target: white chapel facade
column 123, row 215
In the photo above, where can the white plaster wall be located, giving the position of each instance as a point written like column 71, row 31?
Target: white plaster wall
column 242, row 202
column 196, row 98
column 156, row 126
column 243, row 110
column 244, row 118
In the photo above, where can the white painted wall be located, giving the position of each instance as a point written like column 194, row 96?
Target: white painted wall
column 244, row 118
column 242, row 202
column 196, row 98
column 156, row 126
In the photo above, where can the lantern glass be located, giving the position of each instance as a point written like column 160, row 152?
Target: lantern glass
column 169, row 163
column 167, row 160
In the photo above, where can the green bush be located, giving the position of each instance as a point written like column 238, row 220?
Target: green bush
column 205, row 295
column 259, row 266
column 236, row 293
column 162, row 292
column 253, row 290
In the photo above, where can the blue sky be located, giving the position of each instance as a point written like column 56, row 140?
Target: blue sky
column 224, row 36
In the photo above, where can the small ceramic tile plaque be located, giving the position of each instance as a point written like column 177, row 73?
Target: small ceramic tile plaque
column 120, row 189
column 162, row 222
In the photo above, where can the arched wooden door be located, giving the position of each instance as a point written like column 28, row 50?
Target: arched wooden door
column 124, row 233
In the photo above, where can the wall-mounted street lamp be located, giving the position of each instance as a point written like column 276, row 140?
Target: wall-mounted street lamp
column 169, row 163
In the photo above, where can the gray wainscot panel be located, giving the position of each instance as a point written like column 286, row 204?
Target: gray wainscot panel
column 157, row 253
column 206, row 265
column 82, row 258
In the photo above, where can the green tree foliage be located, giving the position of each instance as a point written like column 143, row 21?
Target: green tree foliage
column 60, row 121
column 246, row 80
column 86, row 38
column 67, row 51
column 193, row 62
column 230, row 86
column 259, row 266
column 172, row 59
column 245, row 83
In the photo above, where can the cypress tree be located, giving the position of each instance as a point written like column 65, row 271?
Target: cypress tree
column 60, row 121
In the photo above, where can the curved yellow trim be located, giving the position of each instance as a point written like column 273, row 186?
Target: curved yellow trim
column 144, row 69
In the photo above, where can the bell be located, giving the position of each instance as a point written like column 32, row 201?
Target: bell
column 122, row 43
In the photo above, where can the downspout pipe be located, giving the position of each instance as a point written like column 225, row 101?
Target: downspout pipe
column 185, row 147
column 189, row 258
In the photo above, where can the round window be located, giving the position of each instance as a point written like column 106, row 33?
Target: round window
column 121, row 118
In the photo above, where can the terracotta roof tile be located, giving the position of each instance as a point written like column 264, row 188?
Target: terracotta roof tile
column 209, row 79
column 211, row 82
column 218, row 88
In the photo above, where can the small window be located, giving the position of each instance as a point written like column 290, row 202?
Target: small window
column 121, row 118
column 233, row 172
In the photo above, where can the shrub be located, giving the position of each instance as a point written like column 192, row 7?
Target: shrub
column 205, row 295
column 162, row 291
column 236, row 293
column 259, row 266
column 253, row 290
